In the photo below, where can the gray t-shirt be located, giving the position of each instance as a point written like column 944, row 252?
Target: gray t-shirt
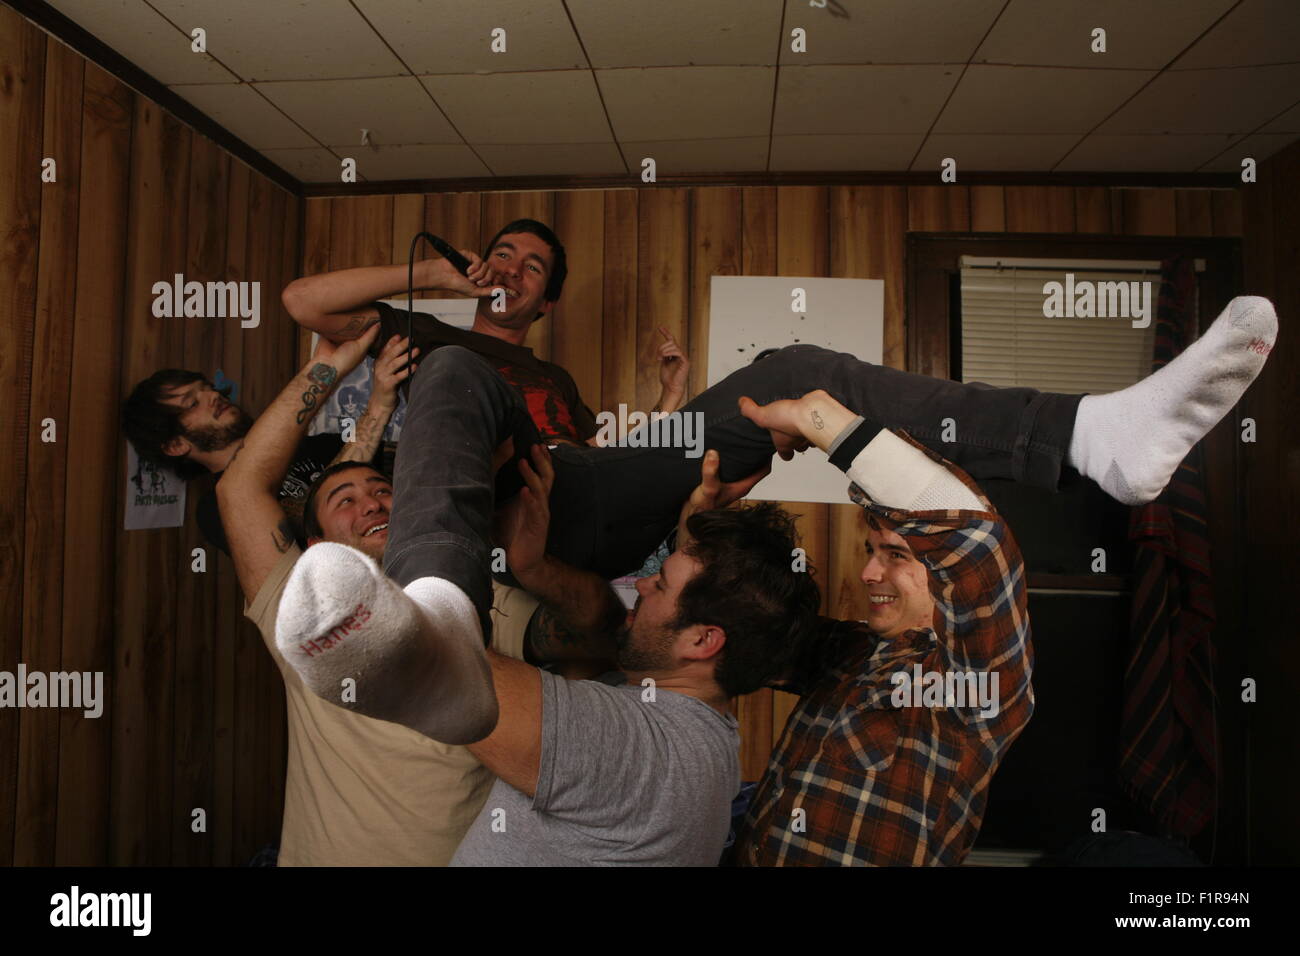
column 623, row 781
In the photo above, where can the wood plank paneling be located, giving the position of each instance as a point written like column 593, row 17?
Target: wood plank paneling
column 1193, row 212
column 1148, row 212
column 47, row 462
column 146, row 607
column 458, row 218
column 987, row 209
column 1092, row 209
column 93, row 484
column 618, row 347
column 938, row 208
column 1271, row 497
column 198, row 591
column 1040, row 209
column 22, row 57
column 716, row 248
column 1226, row 207
column 663, row 285
column 576, row 319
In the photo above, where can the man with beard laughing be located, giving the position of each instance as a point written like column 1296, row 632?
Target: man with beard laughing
column 179, row 419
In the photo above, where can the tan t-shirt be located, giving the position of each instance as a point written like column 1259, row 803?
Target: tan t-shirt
column 364, row 792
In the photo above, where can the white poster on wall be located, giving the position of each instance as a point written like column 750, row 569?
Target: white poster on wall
column 350, row 397
column 750, row 314
column 155, row 496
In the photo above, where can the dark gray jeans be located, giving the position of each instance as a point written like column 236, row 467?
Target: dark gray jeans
column 610, row 507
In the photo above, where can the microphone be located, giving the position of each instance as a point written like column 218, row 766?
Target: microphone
column 443, row 248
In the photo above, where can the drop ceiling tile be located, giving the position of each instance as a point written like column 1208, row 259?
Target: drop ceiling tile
column 135, row 30
column 1027, row 99
column 286, row 39
column 560, row 106
column 395, row 109
column 1258, row 147
column 416, row 162
column 554, row 159
column 457, row 38
column 1208, row 101
column 838, row 100
column 1288, row 122
column 314, row 165
column 678, row 32
column 688, row 102
column 843, row 153
column 1152, row 153
column 249, row 116
column 888, row 31
column 1143, row 36
column 740, row 155
column 976, row 153
column 1257, row 32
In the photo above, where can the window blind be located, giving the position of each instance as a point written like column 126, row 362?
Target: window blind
column 1006, row 339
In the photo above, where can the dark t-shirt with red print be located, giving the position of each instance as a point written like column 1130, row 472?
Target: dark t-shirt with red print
column 550, row 392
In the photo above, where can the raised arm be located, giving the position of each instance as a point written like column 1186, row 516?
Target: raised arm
column 389, row 371
column 579, row 612
column 257, row 529
column 340, row 304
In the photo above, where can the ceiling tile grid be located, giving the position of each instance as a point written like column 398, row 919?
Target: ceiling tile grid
column 590, row 87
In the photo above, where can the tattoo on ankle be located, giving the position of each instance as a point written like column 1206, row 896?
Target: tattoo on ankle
column 322, row 378
column 817, row 421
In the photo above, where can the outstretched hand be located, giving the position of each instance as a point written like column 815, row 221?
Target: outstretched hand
column 522, row 523
column 674, row 366
column 346, row 356
column 781, row 420
column 713, row 493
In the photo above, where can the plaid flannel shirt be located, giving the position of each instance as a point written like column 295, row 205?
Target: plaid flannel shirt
column 884, row 785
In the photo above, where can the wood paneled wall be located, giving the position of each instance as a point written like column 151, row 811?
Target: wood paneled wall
column 641, row 258
column 1271, row 490
column 194, row 713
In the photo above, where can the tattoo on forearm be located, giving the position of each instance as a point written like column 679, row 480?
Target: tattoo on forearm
column 817, row 421
column 322, row 378
column 356, row 327
column 282, row 537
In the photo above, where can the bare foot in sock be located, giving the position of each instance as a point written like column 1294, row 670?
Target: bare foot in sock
column 1131, row 441
column 416, row 656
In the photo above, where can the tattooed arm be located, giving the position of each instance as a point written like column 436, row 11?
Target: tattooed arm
column 577, row 620
column 257, row 529
column 339, row 305
column 389, row 372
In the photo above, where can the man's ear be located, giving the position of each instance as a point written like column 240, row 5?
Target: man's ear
column 177, row 447
column 707, row 642
column 311, row 541
column 544, row 310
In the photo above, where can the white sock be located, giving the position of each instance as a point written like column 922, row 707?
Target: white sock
column 416, row 656
column 898, row 475
column 1130, row 442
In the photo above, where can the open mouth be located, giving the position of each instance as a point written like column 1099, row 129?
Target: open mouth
column 376, row 529
column 879, row 600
